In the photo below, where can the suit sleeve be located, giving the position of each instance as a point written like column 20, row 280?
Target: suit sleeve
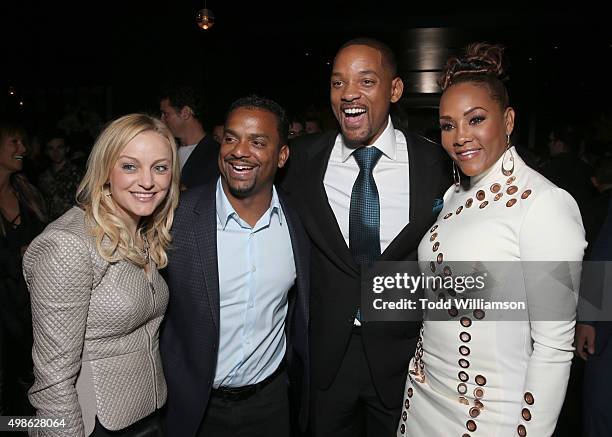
column 58, row 271
column 552, row 245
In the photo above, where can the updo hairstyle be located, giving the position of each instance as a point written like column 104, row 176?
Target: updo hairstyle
column 481, row 64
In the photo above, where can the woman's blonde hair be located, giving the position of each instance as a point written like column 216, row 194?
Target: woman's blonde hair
column 113, row 240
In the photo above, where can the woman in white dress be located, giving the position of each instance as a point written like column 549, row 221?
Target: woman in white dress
column 472, row 375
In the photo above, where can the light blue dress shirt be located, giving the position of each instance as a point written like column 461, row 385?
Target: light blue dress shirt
column 256, row 271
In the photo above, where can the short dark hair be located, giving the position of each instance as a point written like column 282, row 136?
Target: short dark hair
column 256, row 102
column 183, row 95
column 569, row 135
column 11, row 127
column 296, row 118
column 53, row 133
column 386, row 52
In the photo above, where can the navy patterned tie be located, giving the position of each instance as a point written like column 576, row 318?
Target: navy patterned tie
column 364, row 214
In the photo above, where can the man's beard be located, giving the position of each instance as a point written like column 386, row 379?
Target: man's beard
column 355, row 143
column 241, row 192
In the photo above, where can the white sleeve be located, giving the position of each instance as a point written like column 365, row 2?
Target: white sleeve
column 552, row 245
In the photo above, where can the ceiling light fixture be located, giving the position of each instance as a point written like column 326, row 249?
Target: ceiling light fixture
column 205, row 18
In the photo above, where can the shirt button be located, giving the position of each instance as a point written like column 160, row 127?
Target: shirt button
column 253, row 268
column 250, row 304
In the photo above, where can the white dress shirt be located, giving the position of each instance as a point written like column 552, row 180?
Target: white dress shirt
column 184, row 152
column 391, row 177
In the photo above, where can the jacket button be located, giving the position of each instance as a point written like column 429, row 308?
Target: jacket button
column 471, row 425
column 526, row 414
column 521, row 430
column 465, row 337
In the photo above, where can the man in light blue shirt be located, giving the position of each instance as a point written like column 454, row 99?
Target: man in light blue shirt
column 256, row 271
column 236, row 330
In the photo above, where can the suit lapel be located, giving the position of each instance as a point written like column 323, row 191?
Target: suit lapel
column 410, row 236
column 205, row 233
column 318, row 216
column 298, row 242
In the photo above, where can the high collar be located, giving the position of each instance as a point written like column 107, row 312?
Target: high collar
column 386, row 143
column 495, row 171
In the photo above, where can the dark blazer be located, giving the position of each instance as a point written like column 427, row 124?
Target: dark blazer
column 335, row 283
column 202, row 165
column 190, row 335
column 598, row 225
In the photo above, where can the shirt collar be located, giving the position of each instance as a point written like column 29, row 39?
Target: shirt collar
column 385, row 143
column 226, row 212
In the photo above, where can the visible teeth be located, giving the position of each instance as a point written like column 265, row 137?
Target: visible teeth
column 19, row 157
column 354, row 111
column 144, row 195
column 241, row 168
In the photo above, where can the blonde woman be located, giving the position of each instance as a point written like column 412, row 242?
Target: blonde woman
column 97, row 296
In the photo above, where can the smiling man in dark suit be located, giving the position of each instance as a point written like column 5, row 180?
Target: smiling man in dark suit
column 365, row 193
column 236, row 329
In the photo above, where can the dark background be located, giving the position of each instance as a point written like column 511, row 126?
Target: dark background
column 78, row 65
column 113, row 57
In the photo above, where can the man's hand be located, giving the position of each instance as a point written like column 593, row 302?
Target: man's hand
column 584, row 340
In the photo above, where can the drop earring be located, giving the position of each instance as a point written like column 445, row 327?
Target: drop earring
column 456, row 177
column 505, row 171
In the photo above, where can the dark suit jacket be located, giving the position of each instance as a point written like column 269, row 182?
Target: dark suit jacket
column 190, row 334
column 335, row 282
column 598, row 224
column 202, row 165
